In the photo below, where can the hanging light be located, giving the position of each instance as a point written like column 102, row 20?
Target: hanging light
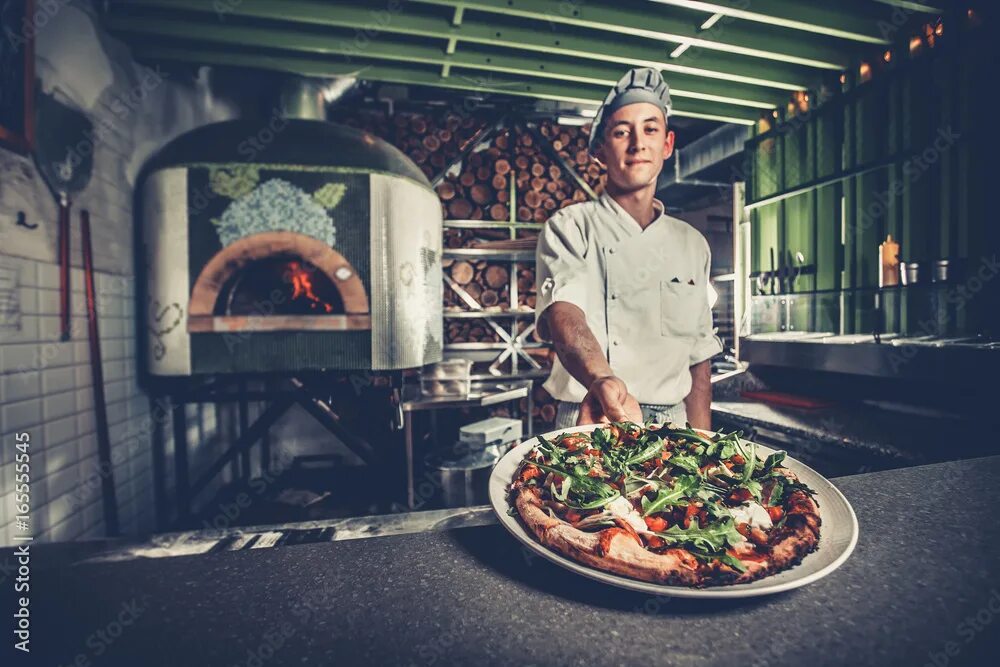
column 865, row 71
column 887, row 56
column 843, row 79
column 915, row 44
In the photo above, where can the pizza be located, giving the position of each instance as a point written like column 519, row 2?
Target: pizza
column 666, row 505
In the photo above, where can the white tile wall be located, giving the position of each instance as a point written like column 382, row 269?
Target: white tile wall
column 46, row 390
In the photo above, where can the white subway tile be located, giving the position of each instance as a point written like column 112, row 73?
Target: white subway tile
column 59, row 431
column 19, row 386
column 47, row 275
column 55, row 380
column 47, row 301
column 85, row 399
column 60, row 456
column 20, row 416
column 85, row 422
column 59, row 405
column 18, row 357
column 26, row 331
column 63, row 481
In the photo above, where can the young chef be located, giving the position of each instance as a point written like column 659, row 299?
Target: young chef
column 623, row 287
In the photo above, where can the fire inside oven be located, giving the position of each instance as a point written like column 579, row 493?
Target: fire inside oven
column 279, row 285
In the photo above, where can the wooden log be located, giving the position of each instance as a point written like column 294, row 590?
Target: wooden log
column 475, row 290
column 459, row 209
column 555, row 173
column 581, row 158
column 496, row 276
column 525, row 139
column 501, row 167
column 537, row 184
column 477, row 213
column 523, row 213
column 499, row 212
column 480, row 193
column 501, row 141
column 462, row 273
column 467, row 179
column 499, row 182
column 483, row 174
column 532, row 199
column 446, row 191
column 489, row 298
column 522, row 162
column 549, row 204
column 503, row 196
column 551, row 186
column 431, row 143
column 537, row 169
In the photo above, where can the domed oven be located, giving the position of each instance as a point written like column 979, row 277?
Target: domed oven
column 288, row 245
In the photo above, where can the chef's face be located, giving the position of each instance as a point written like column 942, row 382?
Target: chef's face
column 636, row 142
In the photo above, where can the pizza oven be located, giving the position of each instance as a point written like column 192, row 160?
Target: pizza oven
column 288, row 244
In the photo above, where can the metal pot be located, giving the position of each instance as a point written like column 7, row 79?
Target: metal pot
column 909, row 272
column 464, row 481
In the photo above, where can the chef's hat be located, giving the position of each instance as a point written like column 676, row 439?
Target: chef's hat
column 641, row 84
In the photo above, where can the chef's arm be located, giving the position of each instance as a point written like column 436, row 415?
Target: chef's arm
column 577, row 347
column 698, row 402
column 583, row 357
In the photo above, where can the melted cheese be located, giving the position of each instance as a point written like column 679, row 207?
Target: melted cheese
column 751, row 513
column 623, row 509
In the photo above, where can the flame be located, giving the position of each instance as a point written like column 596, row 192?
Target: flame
column 302, row 287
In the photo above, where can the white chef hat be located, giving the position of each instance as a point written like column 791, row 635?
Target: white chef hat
column 640, row 84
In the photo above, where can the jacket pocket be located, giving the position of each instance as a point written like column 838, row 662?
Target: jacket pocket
column 681, row 308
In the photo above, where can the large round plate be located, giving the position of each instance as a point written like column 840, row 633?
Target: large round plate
column 838, row 536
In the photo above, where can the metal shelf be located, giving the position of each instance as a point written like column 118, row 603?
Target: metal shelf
column 485, row 314
column 494, row 346
column 489, row 253
column 492, row 224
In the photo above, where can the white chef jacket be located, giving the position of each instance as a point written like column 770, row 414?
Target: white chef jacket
column 645, row 293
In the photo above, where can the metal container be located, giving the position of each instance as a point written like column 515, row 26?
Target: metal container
column 941, row 270
column 464, row 480
column 909, row 272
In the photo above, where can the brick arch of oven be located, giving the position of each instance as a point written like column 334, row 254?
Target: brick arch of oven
column 234, row 257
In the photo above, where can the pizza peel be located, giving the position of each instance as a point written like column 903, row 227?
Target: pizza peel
column 63, row 153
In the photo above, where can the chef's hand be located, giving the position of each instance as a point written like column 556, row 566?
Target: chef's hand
column 608, row 400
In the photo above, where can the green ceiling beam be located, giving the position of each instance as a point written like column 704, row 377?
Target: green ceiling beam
column 912, row 6
column 628, row 51
column 743, row 39
column 471, row 56
column 844, row 19
column 467, row 81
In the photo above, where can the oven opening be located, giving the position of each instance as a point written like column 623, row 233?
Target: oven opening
column 279, row 285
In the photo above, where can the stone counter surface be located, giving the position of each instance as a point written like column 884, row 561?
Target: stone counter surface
column 922, row 588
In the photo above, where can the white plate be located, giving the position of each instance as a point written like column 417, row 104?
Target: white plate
column 838, row 535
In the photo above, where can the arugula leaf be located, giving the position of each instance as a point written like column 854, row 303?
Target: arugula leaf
column 712, row 538
column 732, row 561
column 584, row 485
column 750, row 454
column 684, row 487
column 688, row 434
column 653, row 449
column 773, row 461
column 686, row 462
column 777, row 491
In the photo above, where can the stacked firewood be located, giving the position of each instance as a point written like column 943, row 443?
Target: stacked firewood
column 542, row 187
column 571, row 144
column 480, row 190
column 486, row 283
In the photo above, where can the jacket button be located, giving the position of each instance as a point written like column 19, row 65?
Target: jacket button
column 611, row 251
column 614, row 295
column 615, row 343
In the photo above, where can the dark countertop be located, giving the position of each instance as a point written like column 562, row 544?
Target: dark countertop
column 925, row 561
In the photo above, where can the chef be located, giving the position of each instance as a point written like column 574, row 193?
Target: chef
column 623, row 287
